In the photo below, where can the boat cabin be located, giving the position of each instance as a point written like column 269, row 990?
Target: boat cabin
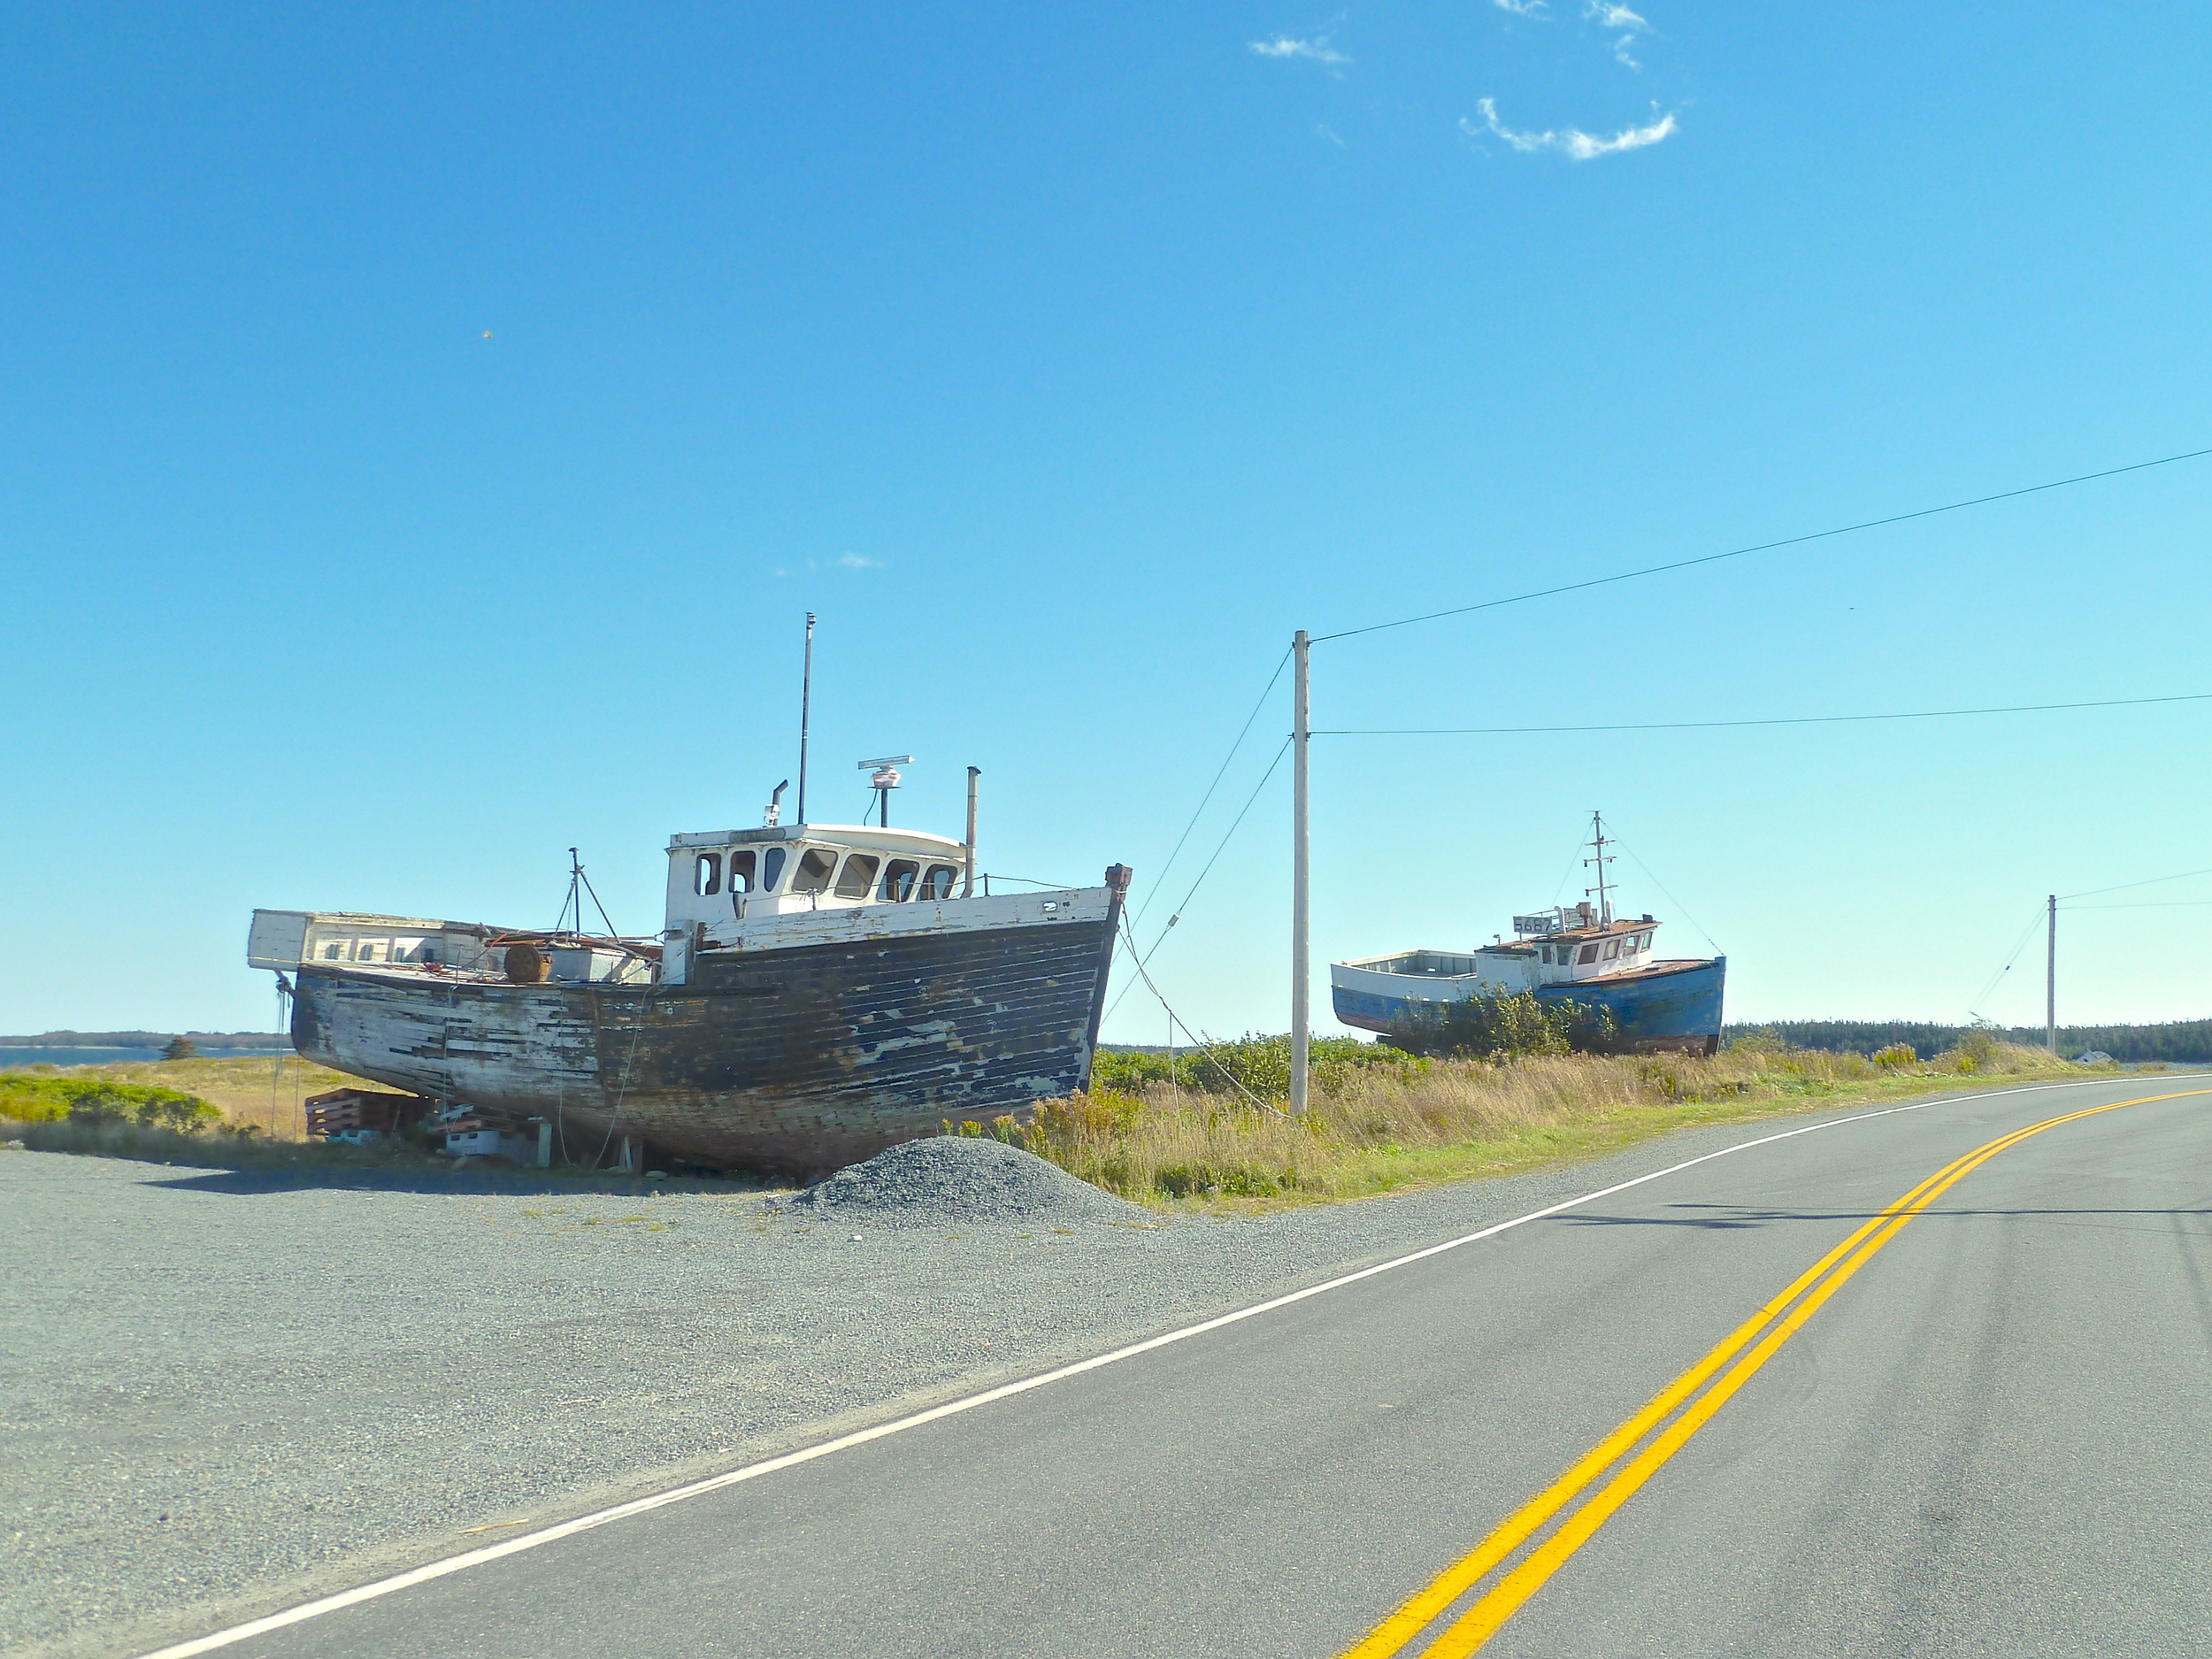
column 721, row 875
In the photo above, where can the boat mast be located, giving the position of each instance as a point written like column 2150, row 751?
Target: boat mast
column 1598, row 845
column 806, row 701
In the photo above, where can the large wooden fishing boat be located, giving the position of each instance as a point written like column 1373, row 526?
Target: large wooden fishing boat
column 820, row 992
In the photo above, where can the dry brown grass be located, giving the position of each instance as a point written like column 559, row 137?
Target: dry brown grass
column 1379, row 1131
column 262, row 1091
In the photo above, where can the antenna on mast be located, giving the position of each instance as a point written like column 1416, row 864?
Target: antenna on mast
column 806, row 702
column 886, row 779
column 1598, row 844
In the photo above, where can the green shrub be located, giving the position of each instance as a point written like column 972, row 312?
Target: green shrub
column 1506, row 1027
column 91, row 1100
column 1254, row 1064
column 1896, row 1056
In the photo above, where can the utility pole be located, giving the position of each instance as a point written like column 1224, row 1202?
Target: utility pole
column 1301, row 973
column 2050, row 981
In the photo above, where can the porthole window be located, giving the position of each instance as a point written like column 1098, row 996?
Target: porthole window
column 899, row 876
column 741, row 871
column 706, row 874
column 938, row 883
column 814, row 865
column 771, row 869
column 858, row 876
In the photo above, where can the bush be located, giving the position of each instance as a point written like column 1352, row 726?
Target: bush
column 1254, row 1064
column 180, row 1048
column 1506, row 1027
column 33, row 1100
column 1896, row 1056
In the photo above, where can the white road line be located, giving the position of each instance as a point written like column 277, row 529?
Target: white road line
column 753, row 1471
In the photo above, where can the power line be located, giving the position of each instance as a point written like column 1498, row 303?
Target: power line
column 1242, row 731
column 2140, row 904
column 1803, row 719
column 2019, row 945
column 2091, row 893
column 1764, row 547
column 1178, row 915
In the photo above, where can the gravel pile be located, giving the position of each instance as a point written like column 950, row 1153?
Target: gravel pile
column 958, row 1181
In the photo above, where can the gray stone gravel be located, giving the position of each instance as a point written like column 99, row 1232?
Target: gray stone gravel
column 960, row 1181
column 227, row 1390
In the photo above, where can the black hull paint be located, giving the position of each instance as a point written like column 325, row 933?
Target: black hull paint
column 800, row 1059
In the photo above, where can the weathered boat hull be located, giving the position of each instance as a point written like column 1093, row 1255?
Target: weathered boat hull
column 800, row 1059
column 1674, row 1005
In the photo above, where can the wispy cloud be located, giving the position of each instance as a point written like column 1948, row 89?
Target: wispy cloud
column 1569, row 142
column 1318, row 48
column 854, row 562
column 1323, row 130
column 1521, row 8
column 1607, row 15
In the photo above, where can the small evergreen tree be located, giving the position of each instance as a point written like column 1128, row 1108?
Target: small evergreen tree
column 180, row 1048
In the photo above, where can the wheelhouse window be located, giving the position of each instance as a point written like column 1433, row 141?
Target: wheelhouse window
column 899, row 876
column 814, row 865
column 938, row 883
column 859, row 875
column 741, row 871
column 771, row 869
column 706, row 874
column 1589, row 955
column 1612, row 949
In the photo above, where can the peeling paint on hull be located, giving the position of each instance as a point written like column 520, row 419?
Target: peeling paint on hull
column 800, row 1059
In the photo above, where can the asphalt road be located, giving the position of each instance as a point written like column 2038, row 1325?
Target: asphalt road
column 1991, row 1438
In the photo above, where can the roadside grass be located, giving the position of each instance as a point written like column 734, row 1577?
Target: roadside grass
column 1381, row 1121
column 1379, row 1129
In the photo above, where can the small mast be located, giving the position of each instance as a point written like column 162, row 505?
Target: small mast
column 1598, row 844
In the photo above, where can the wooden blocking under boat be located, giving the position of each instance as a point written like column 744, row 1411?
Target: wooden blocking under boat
column 340, row 1109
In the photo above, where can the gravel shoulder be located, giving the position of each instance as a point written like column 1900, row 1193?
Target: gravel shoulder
column 225, row 1390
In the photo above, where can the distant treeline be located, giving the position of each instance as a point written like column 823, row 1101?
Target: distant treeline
column 2182, row 1042
column 147, row 1040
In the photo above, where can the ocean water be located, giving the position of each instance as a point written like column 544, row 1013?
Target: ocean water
column 16, row 1058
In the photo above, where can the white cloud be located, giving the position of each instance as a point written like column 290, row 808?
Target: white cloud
column 1323, row 130
column 1520, row 8
column 854, row 562
column 1287, row 46
column 1571, row 143
column 1607, row 15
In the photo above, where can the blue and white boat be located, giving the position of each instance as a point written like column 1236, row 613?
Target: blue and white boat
column 1580, row 953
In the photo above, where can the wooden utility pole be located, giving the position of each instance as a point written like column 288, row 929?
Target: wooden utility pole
column 1301, row 968
column 2050, row 980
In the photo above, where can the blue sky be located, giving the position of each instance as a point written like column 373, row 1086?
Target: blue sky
column 423, row 430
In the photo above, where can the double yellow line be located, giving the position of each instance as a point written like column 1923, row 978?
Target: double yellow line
column 1762, row 1334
